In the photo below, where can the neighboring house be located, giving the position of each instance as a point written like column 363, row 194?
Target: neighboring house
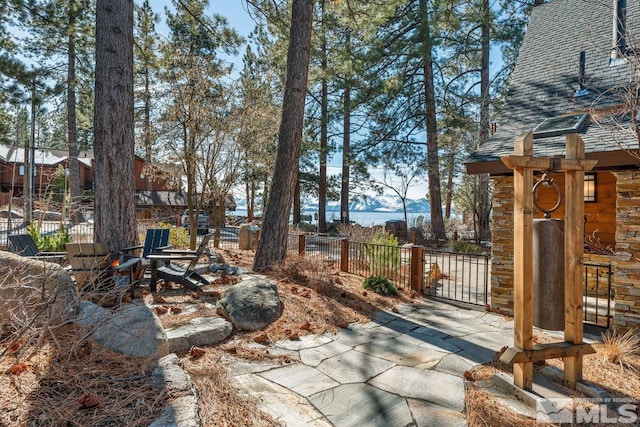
column 575, row 67
column 12, row 170
column 47, row 161
column 168, row 206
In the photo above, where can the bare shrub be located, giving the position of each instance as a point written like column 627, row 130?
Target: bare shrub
column 358, row 233
column 620, row 347
column 311, row 272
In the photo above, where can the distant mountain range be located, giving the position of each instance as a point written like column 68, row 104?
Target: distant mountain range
column 383, row 203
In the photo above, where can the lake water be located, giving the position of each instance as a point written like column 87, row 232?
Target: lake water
column 363, row 218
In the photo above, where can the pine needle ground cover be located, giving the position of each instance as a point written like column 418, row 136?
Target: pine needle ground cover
column 70, row 380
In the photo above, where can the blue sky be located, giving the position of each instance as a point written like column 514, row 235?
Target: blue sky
column 238, row 18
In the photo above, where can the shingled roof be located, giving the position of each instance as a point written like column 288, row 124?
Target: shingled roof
column 546, row 79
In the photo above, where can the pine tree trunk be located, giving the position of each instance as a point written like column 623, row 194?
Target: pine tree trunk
column 433, row 166
column 250, row 192
column 324, row 119
column 115, row 216
column 448, row 195
column 147, row 124
column 272, row 247
column 72, row 130
column 297, row 204
column 483, row 208
column 346, row 156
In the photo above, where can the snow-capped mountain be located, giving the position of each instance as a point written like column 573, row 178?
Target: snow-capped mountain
column 375, row 203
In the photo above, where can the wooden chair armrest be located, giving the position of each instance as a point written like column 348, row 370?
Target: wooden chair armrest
column 170, row 257
column 179, row 251
column 131, row 248
column 127, row 264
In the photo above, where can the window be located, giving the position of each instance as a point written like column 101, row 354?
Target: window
column 590, row 187
column 21, row 170
column 560, row 125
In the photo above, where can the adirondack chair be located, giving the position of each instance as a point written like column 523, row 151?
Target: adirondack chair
column 162, row 266
column 94, row 268
column 24, row 245
column 156, row 240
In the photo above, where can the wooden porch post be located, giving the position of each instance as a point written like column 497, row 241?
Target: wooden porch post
column 522, row 261
column 573, row 252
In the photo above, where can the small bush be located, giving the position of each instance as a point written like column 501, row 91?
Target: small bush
column 54, row 242
column 178, row 236
column 311, row 272
column 383, row 254
column 380, row 285
column 465, row 247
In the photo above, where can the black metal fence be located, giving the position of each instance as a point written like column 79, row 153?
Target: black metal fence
column 327, row 248
column 83, row 232
column 392, row 262
column 454, row 276
column 457, row 276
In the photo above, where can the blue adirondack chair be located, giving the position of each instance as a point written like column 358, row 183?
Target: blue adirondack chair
column 155, row 241
column 24, row 245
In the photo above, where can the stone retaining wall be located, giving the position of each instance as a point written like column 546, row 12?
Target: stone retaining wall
column 626, row 282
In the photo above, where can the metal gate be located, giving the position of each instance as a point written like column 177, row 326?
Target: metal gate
column 457, row 276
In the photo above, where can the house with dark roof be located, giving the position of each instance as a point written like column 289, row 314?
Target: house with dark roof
column 578, row 71
column 168, row 206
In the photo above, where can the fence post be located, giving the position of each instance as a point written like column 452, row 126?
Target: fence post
column 417, row 268
column 301, row 244
column 344, row 255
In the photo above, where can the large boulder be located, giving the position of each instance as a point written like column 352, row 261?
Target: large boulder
column 35, row 291
column 133, row 329
column 252, row 304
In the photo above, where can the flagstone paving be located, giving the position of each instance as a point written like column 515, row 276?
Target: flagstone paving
column 401, row 369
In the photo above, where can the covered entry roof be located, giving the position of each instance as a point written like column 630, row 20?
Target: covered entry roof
column 566, row 68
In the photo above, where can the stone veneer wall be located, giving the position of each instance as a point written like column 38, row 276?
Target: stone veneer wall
column 626, row 283
column 502, row 245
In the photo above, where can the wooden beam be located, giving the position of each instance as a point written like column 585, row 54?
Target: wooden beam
column 548, row 164
column 546, row 351
column 573, row 252
column 522, row 261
